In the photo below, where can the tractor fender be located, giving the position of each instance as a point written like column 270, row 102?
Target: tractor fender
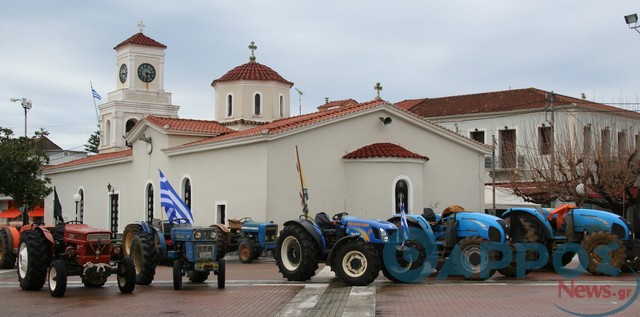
column 47, row 233
column 533, row 214
column 311, row 228
column 413, row 219
column 338, row 245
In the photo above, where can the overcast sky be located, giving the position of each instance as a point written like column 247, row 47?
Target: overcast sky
column 52, row 50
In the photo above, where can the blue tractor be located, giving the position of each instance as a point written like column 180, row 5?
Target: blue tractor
column 351, row 246
column 251, row 238
column 164, row 242
column 466, row 233
column 568, row 229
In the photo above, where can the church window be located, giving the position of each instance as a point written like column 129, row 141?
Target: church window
column 402, row 196
column 130, row 124
column 149, row 202
column 80, row 206
column 187, row 192
column 257, row 106
column 107, row 133
column 281, row 106
column 229, row 105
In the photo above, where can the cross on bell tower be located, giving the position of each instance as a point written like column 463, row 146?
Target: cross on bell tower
column 378, row 88
column 252, row 47
column 141, row 26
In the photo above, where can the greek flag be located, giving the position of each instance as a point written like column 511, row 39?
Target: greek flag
column 403, row 223
column 96, row 95
column 172, row 203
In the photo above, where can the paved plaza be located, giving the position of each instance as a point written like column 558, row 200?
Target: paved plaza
column 258, row 289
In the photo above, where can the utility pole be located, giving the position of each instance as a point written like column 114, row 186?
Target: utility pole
column 550, row 104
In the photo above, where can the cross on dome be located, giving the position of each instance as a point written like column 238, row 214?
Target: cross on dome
column 252, row 47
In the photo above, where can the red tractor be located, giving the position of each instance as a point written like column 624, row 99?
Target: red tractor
column 9, row 240
column 71, row 249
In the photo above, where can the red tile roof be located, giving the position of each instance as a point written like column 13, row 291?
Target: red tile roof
column 188, row 125
column 141, row 39
column 252, row 71
column 93, row 158
column 499, row 101
column 337, row 104
column 383, row 150
column 287, row 124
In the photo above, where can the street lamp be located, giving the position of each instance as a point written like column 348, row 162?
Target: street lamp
column 632, row 21
column 76, row 198
column 26, row 104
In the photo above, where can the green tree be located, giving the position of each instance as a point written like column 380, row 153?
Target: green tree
column 93, row 142
column 21, row 169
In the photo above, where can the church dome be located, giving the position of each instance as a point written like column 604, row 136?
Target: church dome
column 252, row 71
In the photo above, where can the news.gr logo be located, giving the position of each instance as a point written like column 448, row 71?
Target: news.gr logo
column 416, row 260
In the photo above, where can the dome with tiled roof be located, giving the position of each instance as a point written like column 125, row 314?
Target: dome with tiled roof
column 252, row 71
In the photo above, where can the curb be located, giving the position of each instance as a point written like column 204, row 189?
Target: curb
column 8, row 273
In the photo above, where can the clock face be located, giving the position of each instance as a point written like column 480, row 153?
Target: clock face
column 146, row 73
column 123, row 73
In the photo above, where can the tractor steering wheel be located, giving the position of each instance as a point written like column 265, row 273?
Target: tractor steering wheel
column 73, row 222
column 180, row 221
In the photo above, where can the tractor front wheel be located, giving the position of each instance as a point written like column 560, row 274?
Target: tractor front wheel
column 221, row 273
column 296, row 253
column 177, row 275
column 7, row 257
column 130, row 231
column 474, row 260
column 144, row 255
column 33, row 259
column 57, row 278
column 126, row 275
column 245, row 252
column 617, row 257
column 357, row 263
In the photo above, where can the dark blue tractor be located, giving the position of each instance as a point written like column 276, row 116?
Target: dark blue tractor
column 568, row 230
column 251, row 239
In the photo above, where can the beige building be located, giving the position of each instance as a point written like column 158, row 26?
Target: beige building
column 358, row 158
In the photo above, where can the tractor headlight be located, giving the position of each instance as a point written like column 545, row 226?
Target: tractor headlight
column 212, row 235
column 383, row 235
column 197, row 235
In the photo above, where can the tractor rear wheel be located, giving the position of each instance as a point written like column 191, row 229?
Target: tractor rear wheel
column 528, row 234
column 57, row 278
column 7, row 257
column 177, row 275
column 144, row 255
column 126, row 275
column 221, row 273
column 296, row 253
column 357, row 263
column 33, row 260
column 245, row 252
column 474, row 259
column 597, row 239
column 130, row 231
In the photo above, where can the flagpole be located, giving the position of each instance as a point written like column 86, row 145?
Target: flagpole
column 94, row 104
column 303, row 193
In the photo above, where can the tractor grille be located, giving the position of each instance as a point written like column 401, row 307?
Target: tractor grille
column 205, row 251
column 271, row 234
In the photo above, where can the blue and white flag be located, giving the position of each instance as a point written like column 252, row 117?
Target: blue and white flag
column 173, row 205
column 403, row 223
column 96, row 95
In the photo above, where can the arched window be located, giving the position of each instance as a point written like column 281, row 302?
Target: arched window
column 402, row 196
column 257, row 108
column 229, row 105
column 149, row 202
column 130, row 124
column 80, row 211
column 281, row 106
column 107, row 133
column 187, row 192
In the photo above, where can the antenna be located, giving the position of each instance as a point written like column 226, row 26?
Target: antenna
column 300, row 93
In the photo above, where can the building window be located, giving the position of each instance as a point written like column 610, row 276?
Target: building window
column 402, row 196
column 229, row 106
column 586, row 140
column 187, row 192
column 545, row 139
column 281, row 106
column 130, row 124
column 477, row 136
column 106, row 138
column 622, row 144
column 80, row 211
column 257, row 106
column 149, row 202
column 605, row 143
column 507, row 139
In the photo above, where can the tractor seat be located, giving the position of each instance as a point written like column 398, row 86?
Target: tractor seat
column 323, row 221
column 429, row 215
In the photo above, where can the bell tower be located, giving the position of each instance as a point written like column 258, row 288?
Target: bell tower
column 139, row 71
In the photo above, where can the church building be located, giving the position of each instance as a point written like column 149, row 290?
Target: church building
column 367, row 159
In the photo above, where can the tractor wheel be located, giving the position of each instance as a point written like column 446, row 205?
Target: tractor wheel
column 221, row 242
column 33, row 259
column 633, row 259
column 594, row 240
column 245, row 252
column 130, row 231
column 257, row 250
column 474, row 260
column 221, row 273
column 296, row 254
column 57, row 278
column 199, row 276
column 144, row 255
column 7, row 257
column 177, row 275
column 357, row 263
column 126, row 275
column 527, row 235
